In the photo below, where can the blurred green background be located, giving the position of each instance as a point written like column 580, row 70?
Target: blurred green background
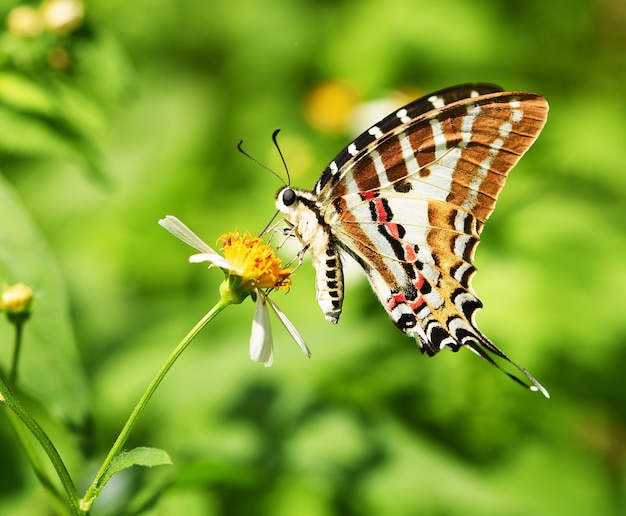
column 133, row 112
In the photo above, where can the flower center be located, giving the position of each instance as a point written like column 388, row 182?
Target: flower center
column 260, row 265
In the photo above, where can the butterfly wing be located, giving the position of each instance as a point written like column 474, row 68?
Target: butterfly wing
column 411, row 200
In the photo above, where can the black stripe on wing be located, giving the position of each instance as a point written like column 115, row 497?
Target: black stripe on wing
column 414, row 109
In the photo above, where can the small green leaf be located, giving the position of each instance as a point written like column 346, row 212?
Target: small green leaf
column 141, row 456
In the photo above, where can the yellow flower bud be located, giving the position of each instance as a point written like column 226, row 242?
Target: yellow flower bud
column 24, row 21
column 62, row 16
column 16, row 299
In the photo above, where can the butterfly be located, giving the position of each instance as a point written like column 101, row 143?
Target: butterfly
column 408, row 199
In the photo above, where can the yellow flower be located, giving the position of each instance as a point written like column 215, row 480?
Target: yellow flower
column 259, row 266
column 251, row 268
column 16, row 299
column 330, row 105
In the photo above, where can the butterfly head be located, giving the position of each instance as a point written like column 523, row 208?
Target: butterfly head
column 301, row 210
column 285, row 199
column 290, row 201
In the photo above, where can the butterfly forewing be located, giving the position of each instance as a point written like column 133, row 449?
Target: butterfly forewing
column 411, row 111
column 408, row 199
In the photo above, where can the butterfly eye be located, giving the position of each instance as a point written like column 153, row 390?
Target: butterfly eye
column 289, row 197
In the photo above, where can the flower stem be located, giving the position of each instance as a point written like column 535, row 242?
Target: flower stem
column 22, row 422
column 20, row 430
column 16, row 407
column 16, row 354
column 96, row 486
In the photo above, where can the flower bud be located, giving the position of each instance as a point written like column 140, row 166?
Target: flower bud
column 24, row 22
column 16, row 299
column 62, row 16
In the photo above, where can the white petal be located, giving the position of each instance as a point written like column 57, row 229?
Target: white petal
column 214, row 259
column 290, row 327
column 181, row 231
column 261, row 336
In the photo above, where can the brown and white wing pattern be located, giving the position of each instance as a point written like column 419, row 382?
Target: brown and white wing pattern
column 408, row 200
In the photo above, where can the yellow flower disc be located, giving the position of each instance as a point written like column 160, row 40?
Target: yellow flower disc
column 260, row 266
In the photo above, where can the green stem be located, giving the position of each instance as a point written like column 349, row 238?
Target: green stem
column 96, row 486
column 25, row 439
column 16, row 354
column 16, row 407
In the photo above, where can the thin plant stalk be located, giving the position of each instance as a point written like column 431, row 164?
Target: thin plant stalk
column 16, row 354
column 38, row 432
column 96, row 486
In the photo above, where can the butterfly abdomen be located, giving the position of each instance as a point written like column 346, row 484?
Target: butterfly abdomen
column 328, row 281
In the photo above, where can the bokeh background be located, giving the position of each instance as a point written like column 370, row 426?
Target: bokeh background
column 120, row 112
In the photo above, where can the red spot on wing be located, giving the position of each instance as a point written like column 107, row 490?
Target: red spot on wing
column 382, row 215
column 419, row 300
column 416, row 305
column 400, row 298
column 409, row 252
column 395, row 300
column 392, row 229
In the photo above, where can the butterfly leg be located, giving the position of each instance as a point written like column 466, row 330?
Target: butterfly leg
column 291, row 232
column 328, row 269
column 288, row 233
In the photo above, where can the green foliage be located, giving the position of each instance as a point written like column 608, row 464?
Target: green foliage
column 51, row 369
column 140, row 456
column 143, row 122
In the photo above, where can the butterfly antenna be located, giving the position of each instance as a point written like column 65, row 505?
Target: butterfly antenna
column 254, row 160
column 280, row 153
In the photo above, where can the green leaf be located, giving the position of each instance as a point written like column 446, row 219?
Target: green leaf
column 58, row 121
column 25, row 95
column 21, row 134
column 50, row 369
column 34, row 137
column 141, row 456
